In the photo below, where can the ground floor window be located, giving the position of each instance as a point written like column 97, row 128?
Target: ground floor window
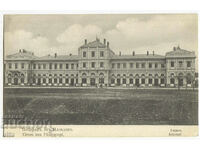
column 118, row 81
column 34, row 81
column 143, row 81
column 112, row 81
column 150, row 81
column 162, row 81
column 55, row 80
column 172, row 81
column 44, row 80
column 137, row 82
column 60, row 80
column 22, row 80
column 156, row 82
column 101, row 80
column 50, row 80
column 66, row 80
column 131, row 81
column 124, row 81
column 39, row 81
column 9, row 80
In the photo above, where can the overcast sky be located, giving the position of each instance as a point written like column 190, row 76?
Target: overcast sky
column 63, row 34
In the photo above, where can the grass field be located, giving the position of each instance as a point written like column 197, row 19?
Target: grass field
column 103, row 106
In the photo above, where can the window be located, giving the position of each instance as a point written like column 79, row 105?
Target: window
column 101, row 53
column 39, row 66
column 93, row 54
column 150, row 65
column 137, row 65
column 84, row 54
column 131, row 65
column 112, row 81
column 162, row 80
column 55, row 66
column 150, row 81
column 77, row 65
column 162, row 65
column 156, row 65
column 44, row 80
column 143, row 81
column 72, row 66
column 180, row 64
column 143, row 65
column 172, row 81
column 113, row 65
column 16, row 65
column 124, row 65
column 93, row 64
column 22, row 65
column 50, row 80
column 118, row 65
column 60, row 80
column 10, row 65
column 101, row 64
column 67, row 66
column 131, row 81
column 50, row 66
column 84, row 65
column 61, row 66
column 124, row 81
column 66, row 80
column 44, row 66
column 172, row 63
column 55, row 80
column 188, row 64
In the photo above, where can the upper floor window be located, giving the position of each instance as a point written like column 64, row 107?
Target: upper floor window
column 84, row 65
column 101, row 53
column 124, row 65
column 150, row 65
column 172, row 63
column 84, row 54
column 131, row 65
column 22, row 65
column 137, row 65
column 162, row 65
column 72, row 66
column 93, row 64
column 34, row 66
column 180, row 63
column 113, row 65
column 156, row 65
column 16, row 65
column 67, row 66
column 93, row 53
column 118, row 65
column 143, row 65
column 44, row 66
column 10, row 65
column 39, row 66
column 55, row 66
column 76, row 65
column 61, row 66
column 50, row 66
column 101, row 64
column 188, row 63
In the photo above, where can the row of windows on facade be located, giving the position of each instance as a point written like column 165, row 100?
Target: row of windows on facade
column 93, row 65
column 93, row 54
column 180, row 64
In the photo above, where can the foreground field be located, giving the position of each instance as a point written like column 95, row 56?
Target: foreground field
column 102, row 106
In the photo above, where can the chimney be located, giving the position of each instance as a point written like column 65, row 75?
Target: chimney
column 120, row 54
column 104, row 41
column 133, row 53
column 85, row 41
column 107, row 44
column 147, row 53
column 153, row 52
column 174, row 48
column 55, row 55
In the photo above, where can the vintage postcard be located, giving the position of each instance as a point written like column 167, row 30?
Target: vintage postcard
column 77, row 75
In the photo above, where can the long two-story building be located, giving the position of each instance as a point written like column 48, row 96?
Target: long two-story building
column 97, row 65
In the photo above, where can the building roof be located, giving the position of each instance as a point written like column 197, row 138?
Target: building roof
column 94, row 44
column 138, row 56
column 178, row 52
column 22, row 55
column 59, row 57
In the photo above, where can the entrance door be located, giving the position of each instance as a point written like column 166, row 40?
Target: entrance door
column 15, row 81
column 92, row 81
column 72, row 82
column 156, row 82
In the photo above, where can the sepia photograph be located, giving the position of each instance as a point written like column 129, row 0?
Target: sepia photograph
column 76, row 72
